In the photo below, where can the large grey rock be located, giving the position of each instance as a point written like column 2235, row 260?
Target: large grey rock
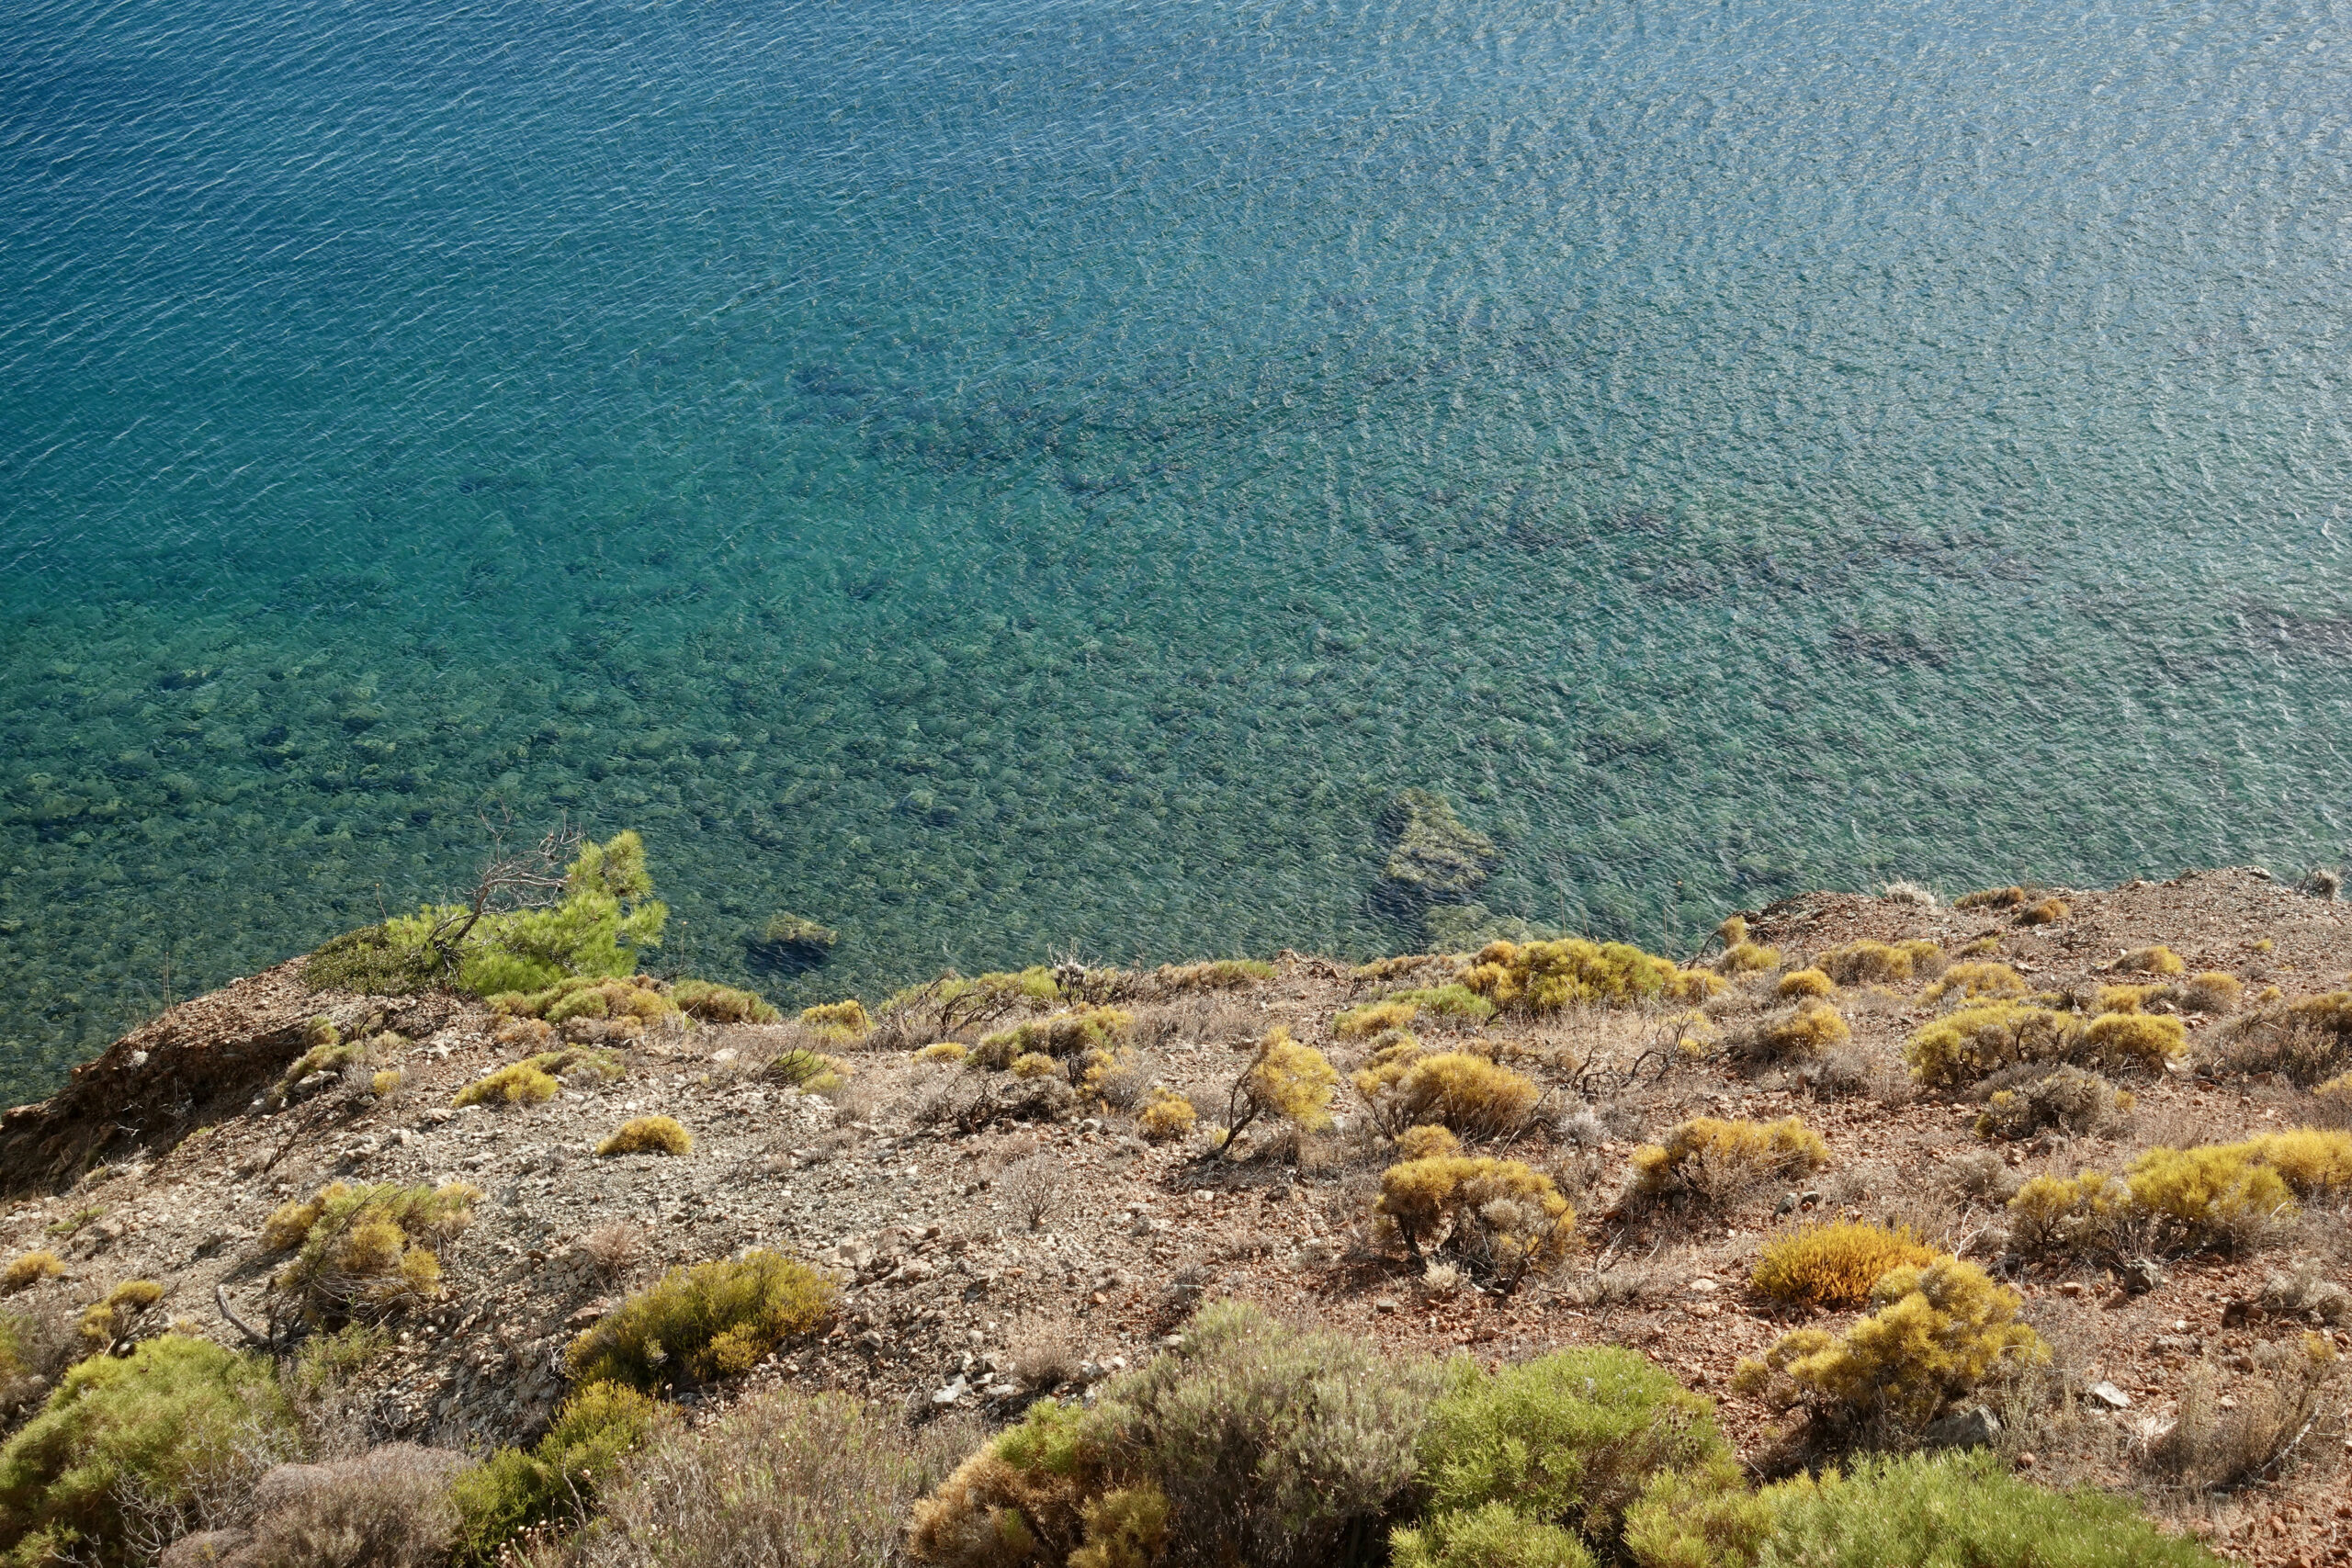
column 1972, row 1426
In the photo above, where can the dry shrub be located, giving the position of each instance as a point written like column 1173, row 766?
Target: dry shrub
column 1835, row 1265
column 1542, row 977
column 1985, row 1037
column 837, row 1023
column 367, row 1251
column 2064, row 1096
column 2306, row 1292
column 1427, row 1143
column 389, row 1507
column 1974, row 981
column 1362, row 1022
column 1805, row 983
column 29, row 1268
column 1474, row 1097
column 2043, row 912
column 517, row 1083
column 2306, row 1042
column 1035, row 1065
column 2230, row 1198
column 1165, row 1116
column 2214, row 991
column 1064, row 1035
column 1118, row 1080
column 812, row 1481
column 647, row 1136
column 1858, row 963
column 2332, row 1101
column 1042, row 1353
column 1834, row 1074
column 613, row 1248
column 1032, row 1188
column 1808, row 1029
column 2214, row 1447
column 107, row 1320
column 1744, row 957
column 714, row 1320
column 944, row 1050
column 1286, row 1080
column 2157, row 960
column 1940, row 1330
column 1992, row 898
column 714, row 1003
column 1499, row 1217
column 1716, row 1161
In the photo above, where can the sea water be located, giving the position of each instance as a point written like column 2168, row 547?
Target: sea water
column 1036, row 478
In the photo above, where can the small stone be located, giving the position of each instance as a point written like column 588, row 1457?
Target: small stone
column 951, row 1393
column 1972, row 1427
column 2107, row 1394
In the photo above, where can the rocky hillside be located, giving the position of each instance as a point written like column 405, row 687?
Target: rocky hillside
column 999, row 1235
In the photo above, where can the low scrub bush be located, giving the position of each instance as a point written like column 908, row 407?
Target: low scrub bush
column 2217, row 1197
column 953, row 1000
column 1216, row 974
column 647, row 1136
column 556, row 1480
column 1716, row 1161
column 1983, row 1038
column 1807, row 1030
column 2307, row 1042
column 2313, row 1162
column 390, row 1508
column 1408, row 1086
column 608, row 997
column 1285, row 1081
column 1451, row 1003
column 159, row 1424
column 1807, row 982
column 2214, row 991
column 516, row 1083
column 1165, row 1116
column 837, row 1023
column 1982, row 980
column 29, row 1268
column 1571, row 1440
column 2044, row 912
column 1248, row 1442
column 2333, row 1101
column 1879, row 963
column 1940, row 1329
column 1064, row 1035
column 2066, row 1097
column 1035, row 1065
column 801, row 1480
column 942, row 1050
column 1703, row 1516
column 1744, row 957
column 366, row 1251
column 2158, row 960
column 711, row 1321
column 1833, row 1265
column 105, row 1321
column 1993, row 898
column 1427, row 1143
column 1541, row 977
column 1959, row 1511
column 2142, row 1040
column 1494, row 1535
column 714, row 1003
column 2219, row 1446
column 1364, row 1021
column 1499, row 1216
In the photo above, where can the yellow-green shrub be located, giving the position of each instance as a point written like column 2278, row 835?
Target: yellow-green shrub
column 1864, row 962
column 2334, row 1098
column 2222, row 1196
column 2125, row 998
column 839, row 1023
column 516, row 1083
column 2312, row 1162
column 2158, row 960
column 1833, row 1265
column 1165, row 1116
column 29, row 1268
column 647, row 1136
column 1972, row 1041
column 1747, row 957
column 1493, row 1535
column 555, row 1482
column 1498, row 1215
column 1715, row 1160
column 1807, row 982
column 1035, row 1065
column 1286, row 1080
column 368, row 1250
column 1699, row 1517
column 387, row 1083
column 714, row 1003
column 1976, row 980
column 1812, row 1028
column 2308, row 1041
column 2142, row 1040
column 1452, row 1002
column 582, row 996
column 1454, row 1088
column 1427, row 1143
column 2213, row 991
column 2045, row 912
column 1546, row 977
column 714, row 1320
column 2060, row 1214
column 2068, row 1097
column 1992, row 898
column 1071, row 1034
column 1940, row 1330
column 105, row 1321
column 1370, row 1018
column 942, row 1050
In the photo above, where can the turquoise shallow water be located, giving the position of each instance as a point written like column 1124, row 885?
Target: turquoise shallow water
column 1015, row 479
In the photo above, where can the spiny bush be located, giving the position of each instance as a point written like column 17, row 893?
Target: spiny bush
column 801, row 1481
column 1747, row 958
column 1992, row 898
column 2225, row 1197
column 713, row 1320
column 2158, row 960
column 647, row 1136
column 1248, row 1442
column 1885, row 964
column 1035, row 1065
column 2043, row 912
column 1833, row 1265
column 2334, row 1101
column 1364, row 1021
column 1959, row 1511
column 155, row 1424
column 2067, row 1096
column 105, row 1321
column 1063, row 1035
column 1940, row 1329
column 1427, row 1143
column 1165, row 1116
column 2062, row 1213
column 812, row 1072
column 29, row 1268
column 2312, row 1162
column 2307, row 1042
column 1805, row 982
column 1542, row 977
column 1976, row 981
column 714, row 1003
column 1284, row 1080
column 2213, row 991
column 1494, row 1535
column 1810, row 1028
column 2143, row 1041
column 942, row 1050
column 953, row 1000
column 1452, row 1002
column 389, row 1507
column 1703, row 1516
column 1474, row 1097
column 1715, row 1160
column 1499, row 1216
column 1982, row 1038
column 362, row 1252
column 1571, row 1440
column 516, row 1083
column 387, row 1083
column 837, row 1023
column 556, row 1480
column 1216, row 974
column 584, row 996
column 2128, row 999
column 2219, row 1445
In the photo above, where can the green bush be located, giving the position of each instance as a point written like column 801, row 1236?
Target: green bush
column 714, row 1003
column 1495, row 1535
column 162, row 1421
column 1570, row 1439
column 1959, row 1511
column 557, row 1479
column 714, row 1320
column 1702, row 1518
column 366, row 1251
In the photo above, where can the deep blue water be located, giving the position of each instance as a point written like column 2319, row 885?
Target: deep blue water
column 1012, row 479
